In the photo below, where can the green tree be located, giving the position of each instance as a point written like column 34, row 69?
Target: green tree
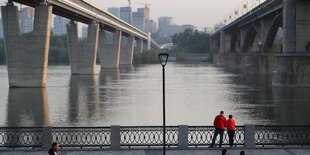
column 58, row 52
column 149, row 57
column 192, row 41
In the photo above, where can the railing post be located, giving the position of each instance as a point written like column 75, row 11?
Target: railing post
column 47, row 137
column 115, row 137
column 183, row 137
column 249, row 136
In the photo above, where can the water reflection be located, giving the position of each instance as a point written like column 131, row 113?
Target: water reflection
column 27, row 107
column 83, row 98
column 292, row 105
column 259, row 98
column 133, row 96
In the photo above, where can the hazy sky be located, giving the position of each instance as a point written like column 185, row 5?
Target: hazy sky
column 201, row 13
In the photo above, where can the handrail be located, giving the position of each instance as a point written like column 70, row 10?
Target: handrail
column 150, row 136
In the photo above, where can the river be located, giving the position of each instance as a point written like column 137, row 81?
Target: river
column 195, row 94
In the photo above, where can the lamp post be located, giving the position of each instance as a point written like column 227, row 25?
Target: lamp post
column 163, row 58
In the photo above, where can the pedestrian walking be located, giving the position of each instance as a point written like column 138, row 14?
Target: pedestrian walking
column 219, row 124
column 54, row 149
column 231, row 127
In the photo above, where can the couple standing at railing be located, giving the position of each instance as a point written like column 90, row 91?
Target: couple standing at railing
column 220, row 123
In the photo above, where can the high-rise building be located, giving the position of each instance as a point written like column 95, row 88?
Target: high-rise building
column 60, row 25
column 147, row 13
column 26, row 19
column 141, row 19
column 126, row 14
column 164, row 21
column 138, row 19
column 151, row 26
column 114, row 11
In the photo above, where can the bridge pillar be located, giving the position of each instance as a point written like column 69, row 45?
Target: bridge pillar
column 126, row 55
column 259, row 63
column 236, row 61
column 109, row 54
column 27, row 55
column 83, row 54
column 292, row 67
column 220, row 58
column 138, row 51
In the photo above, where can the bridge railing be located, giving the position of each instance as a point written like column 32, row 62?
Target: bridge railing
column 118, row 137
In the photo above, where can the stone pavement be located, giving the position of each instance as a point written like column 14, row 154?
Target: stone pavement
column 256, row 151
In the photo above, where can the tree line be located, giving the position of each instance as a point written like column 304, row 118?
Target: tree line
column 59, row 55
column 190, row 41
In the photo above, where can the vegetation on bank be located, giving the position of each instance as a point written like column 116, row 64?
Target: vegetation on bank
column 147, row 57
column 187, row 42
column 190, row 41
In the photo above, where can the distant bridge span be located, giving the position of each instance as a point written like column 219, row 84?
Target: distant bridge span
column 248, row 43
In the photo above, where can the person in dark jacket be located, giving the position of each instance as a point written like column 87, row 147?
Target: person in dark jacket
column 225, row 152
column 242, row 152
column 231, row 127
column 219, row 124
column 54, row 149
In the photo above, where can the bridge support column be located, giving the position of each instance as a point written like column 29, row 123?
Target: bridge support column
column 126, row 55
column 259, row 63
column 236, row 61
column 292, row 67
column 220, row 59
column 138, row 51
column 83, row 54
column 291, row 70
column 27, row 56
column 109, row 54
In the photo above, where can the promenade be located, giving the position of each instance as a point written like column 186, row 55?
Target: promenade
column 235, row 151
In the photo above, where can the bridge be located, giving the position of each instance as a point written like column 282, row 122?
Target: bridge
column 248, row 43
column 27, row 55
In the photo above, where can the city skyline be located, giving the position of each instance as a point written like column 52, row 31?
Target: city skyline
column 207, row 12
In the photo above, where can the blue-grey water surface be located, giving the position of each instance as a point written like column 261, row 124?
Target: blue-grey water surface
column 195, row 93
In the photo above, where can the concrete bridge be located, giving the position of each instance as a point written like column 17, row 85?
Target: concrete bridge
column 27, row 55
column 248, row 43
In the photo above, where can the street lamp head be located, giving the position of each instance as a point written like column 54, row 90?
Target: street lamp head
column 163, row 58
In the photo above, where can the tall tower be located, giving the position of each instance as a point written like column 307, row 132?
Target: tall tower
column 114, row 11
column 60, row 25
column 126, row 14
column 26, row 19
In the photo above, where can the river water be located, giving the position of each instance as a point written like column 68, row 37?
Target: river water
column 195, row 94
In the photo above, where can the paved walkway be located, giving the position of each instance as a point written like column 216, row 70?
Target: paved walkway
column 264, row 151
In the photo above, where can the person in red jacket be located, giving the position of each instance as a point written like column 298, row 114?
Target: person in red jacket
column 231, row 127
column 219, row 124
